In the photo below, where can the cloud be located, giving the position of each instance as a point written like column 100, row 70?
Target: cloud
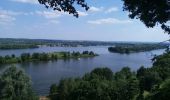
column 8, row 12
column 7, row 17
column 56, row 14
column 49, row 14
column 109, row 21
column 26, row 1
column 95, row 9
column 54, row 22
column 82, row 13
column 113, row 9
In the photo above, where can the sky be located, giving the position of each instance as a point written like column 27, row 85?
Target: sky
column 104, row 21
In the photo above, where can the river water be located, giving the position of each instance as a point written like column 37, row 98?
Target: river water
column 43, row 74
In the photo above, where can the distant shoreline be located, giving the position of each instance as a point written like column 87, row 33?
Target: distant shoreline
column 12, row 43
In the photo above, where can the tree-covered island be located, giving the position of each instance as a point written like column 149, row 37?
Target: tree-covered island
column 134, row 48
column 27, row 57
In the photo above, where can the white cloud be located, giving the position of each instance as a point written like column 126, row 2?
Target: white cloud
column 109, row 21
column 113, row 9
column 7, row 17
column 8, row 12
column 82, row 13
column 28, row 13
column 57, row 14
column 95, row 9
column 27, row 1
column 49, row 14
column 54, row 22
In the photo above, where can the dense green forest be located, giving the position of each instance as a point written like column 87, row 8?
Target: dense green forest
column 132, row 48
column 27, row 57
column 102, row 84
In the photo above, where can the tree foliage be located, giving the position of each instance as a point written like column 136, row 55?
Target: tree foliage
column 150, row 12
column 15, row 85
column 100, row 84
column 64, row 5
column 162, row 65
column 163, row 93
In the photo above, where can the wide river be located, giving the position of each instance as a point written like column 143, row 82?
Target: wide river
column 43, row 74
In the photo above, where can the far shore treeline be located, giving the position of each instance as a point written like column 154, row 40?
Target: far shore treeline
column 10, row 43
column 27, row 57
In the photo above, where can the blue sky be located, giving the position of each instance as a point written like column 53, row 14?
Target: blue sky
column 105, row 21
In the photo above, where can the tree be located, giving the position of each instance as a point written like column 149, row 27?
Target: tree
column 91, row 53
column 103, row 73
column 15, row 85
column 163, row 93
column 25, row 56
column 35, row 56
column 148, row 78
column 13, row 56
column 85, row 52
column 64, row 5
column 161, row 65
column 44, row 56
column 124, row 74
column 150, row 12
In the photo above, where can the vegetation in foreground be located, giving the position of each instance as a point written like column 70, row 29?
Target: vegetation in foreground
column 27, row 57
column 132, row 48
column 102, row 84
column 16, row 85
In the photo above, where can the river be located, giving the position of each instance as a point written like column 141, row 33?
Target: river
column 43, row 74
